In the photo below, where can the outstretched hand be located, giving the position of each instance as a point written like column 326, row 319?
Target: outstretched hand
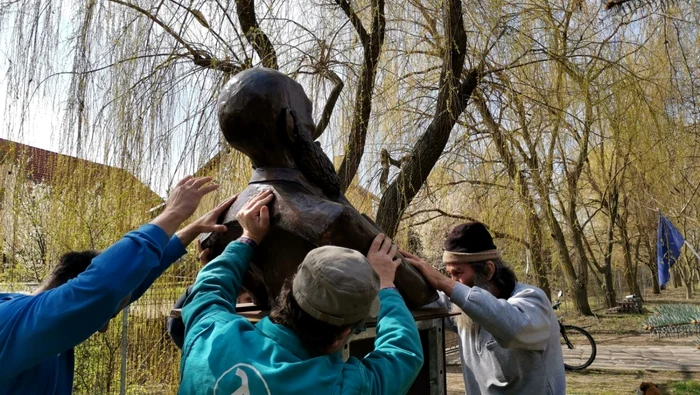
column 382, row 257
column 436, row 279
column 205, row 223
column 185, row 197
column 183, row 201
column 254, row 216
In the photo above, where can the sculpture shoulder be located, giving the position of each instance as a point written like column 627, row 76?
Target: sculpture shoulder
column 290, row 200
column 298, row 211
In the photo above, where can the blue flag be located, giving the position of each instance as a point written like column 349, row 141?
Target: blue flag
column 668, row 247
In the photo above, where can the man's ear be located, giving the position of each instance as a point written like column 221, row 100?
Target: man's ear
column 290, row 125
column 491, row 268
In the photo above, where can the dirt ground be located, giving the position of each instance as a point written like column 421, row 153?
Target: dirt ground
column 598, row 382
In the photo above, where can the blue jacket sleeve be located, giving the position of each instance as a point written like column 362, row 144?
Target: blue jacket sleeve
column 397, row 357
column 173, row 251
column 36, row 327
column 217, row 285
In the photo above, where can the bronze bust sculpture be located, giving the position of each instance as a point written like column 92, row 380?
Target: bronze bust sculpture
column 267, row 116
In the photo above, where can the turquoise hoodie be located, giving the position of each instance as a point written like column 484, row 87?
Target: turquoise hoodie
column 225, row 354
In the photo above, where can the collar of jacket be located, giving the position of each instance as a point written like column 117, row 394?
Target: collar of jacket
column 285, row 337
column 270, row 174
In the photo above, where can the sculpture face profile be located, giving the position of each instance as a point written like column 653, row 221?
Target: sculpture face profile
column 268, row 117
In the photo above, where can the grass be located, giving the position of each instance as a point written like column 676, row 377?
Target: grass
column 629, row 328
column 603, row 382
column 686, row 387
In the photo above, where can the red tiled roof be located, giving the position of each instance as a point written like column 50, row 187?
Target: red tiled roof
column 42, row 166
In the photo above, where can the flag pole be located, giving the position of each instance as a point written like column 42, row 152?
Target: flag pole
column 692, row 249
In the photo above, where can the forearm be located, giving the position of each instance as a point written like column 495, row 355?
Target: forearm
column 447, row 285
column 187, row 234
column 168, row 221
column 172, row 252
column 514, row 323
column 218, row 283
column 444, row 303
column 398, row 353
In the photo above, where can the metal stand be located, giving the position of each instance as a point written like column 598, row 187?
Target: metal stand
column 431, row 378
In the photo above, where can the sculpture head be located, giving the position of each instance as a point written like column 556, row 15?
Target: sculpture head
column 267, row 116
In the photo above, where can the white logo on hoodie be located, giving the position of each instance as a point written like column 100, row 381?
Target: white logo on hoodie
column 256, row 381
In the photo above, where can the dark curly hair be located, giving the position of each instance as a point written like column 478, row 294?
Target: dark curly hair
column 314, row 334
column 69, row 266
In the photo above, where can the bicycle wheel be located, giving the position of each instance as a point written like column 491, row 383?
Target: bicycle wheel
column 578, row 348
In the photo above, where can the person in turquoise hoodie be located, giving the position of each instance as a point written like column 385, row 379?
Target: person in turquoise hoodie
column 86, row 289
column 298, row 348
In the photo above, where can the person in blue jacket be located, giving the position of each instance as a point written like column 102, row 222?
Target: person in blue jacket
column 86, row 289
column 298, row 348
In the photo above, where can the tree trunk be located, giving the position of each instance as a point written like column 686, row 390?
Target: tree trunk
column 676, row 277
column 372, row 45
column 452, row 99
column 580, row 293
column 654, row 279
column 577, row 286
column 651, row 264
column 539, row 261
column 612, row 205
column 630, row 267
column 524, row 196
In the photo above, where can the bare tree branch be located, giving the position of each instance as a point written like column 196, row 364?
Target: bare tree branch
column 363, row 99
column 386, row 161
column 452, row 100
column 200, row 57
column 634, row 5
column 252, row 31
column 203, row 21
column 355, row 20
column 330, row 103
column 496, row 234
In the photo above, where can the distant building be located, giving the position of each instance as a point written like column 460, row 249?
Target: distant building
column 46, row 167
column 51, row 203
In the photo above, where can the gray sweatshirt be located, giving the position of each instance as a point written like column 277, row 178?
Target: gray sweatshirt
column 513, row 346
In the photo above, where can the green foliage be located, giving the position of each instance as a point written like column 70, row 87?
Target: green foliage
column 689, row 387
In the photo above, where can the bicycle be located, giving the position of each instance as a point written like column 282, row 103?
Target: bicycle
column 578, row 346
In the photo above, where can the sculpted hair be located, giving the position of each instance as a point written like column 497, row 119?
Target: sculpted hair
column 313, row 162
column 314, row 334
column 69, row 266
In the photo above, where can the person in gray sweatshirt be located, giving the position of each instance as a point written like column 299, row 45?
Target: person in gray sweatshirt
column 508, row 332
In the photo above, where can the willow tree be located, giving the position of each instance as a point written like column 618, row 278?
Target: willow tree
column 562, row 135
column 135, row 82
